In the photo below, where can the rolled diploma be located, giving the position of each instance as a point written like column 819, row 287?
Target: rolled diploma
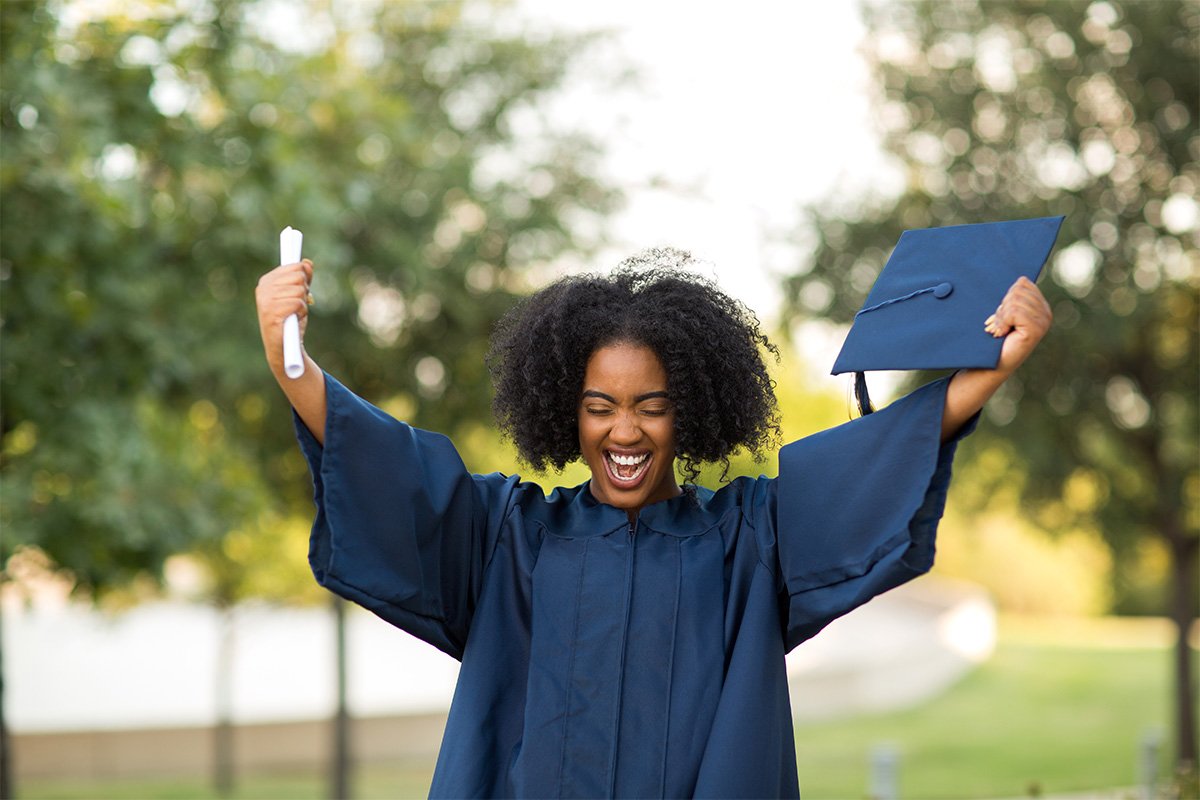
column 290, row 240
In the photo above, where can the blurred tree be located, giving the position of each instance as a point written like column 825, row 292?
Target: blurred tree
column 152, row 152
column 265, row 558
column 1024, row 108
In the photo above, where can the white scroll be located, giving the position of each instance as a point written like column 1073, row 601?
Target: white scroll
column 290, row 240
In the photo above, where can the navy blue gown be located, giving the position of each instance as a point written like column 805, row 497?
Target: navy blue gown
column 604, row 658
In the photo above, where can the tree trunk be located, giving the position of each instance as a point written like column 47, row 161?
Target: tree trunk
column 6, row 764
column 223, row 729
column 340, row 787
column 1183, row 614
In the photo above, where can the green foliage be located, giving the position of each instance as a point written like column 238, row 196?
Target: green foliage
column 1001, row 110
column 1023, row 569
column 150, row 158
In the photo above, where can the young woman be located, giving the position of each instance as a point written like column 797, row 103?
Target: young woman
column 626, row 637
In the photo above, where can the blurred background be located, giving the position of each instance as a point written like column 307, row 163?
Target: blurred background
column 161, row 634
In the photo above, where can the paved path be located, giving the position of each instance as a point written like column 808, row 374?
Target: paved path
column 896, row 651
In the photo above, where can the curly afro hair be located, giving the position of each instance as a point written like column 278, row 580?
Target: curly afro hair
column 709, row 344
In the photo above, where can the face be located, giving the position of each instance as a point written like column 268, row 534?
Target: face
column 627, row 427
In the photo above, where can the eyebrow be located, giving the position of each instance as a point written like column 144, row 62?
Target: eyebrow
column 640, row 398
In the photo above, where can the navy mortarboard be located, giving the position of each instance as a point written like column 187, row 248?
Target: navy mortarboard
column 928, row 306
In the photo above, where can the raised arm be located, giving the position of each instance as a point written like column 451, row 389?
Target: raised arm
column 281, row 292
column 1023, row 318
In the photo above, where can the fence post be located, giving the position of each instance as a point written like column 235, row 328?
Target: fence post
column 1148, row 766
column 885, row 772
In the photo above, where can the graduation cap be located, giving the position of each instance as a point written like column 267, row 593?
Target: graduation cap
column 927, row 308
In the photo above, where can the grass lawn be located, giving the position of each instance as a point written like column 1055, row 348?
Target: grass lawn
column 1058, row 709
column 1051, row 715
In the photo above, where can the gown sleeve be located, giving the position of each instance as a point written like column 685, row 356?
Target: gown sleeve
column 402, row 528
column 857, row 508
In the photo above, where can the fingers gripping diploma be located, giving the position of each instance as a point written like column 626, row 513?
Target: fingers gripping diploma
column 282, row 293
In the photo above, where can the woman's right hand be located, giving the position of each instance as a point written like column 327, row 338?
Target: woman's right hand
column 280, row 293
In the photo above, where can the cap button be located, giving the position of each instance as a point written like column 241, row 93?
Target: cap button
column 942, row 290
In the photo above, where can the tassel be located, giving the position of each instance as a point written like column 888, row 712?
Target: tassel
column 860, row 393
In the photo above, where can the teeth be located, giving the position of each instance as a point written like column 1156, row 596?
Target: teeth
column 628, row 461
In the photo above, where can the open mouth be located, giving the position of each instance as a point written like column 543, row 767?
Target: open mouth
column 626, row 471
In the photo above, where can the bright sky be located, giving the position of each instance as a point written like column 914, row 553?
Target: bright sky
column 752, row 110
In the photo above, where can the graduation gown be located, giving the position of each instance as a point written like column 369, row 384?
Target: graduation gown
column 607, row 658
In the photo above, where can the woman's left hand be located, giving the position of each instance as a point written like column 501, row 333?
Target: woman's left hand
column 1023, row 317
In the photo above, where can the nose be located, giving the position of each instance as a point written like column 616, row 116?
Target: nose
column 625, row 430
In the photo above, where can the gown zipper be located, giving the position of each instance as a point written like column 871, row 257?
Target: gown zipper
column 629, row 563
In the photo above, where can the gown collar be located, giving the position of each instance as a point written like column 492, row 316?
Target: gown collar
column 686, row 514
